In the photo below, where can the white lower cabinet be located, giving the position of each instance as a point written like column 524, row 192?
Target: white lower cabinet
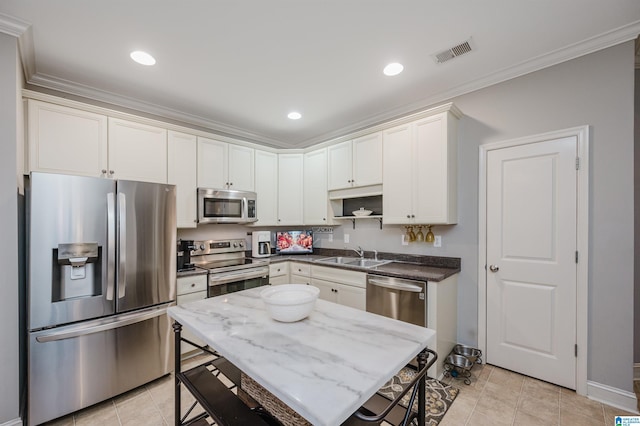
column 279, row 273
column 190, row 289
column 340, row 286
column 300, row 273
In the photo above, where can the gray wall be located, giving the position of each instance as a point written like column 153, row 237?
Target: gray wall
column 595, row 90
column 9, row 83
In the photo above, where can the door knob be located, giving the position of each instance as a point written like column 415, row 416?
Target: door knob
column 494, row 268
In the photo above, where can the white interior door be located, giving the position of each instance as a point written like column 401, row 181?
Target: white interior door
column 531, row 259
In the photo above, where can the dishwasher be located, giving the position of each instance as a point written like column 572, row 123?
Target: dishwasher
column 398, row 298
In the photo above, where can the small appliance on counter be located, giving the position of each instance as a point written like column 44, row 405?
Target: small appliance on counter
column 184, row 255
column 261, row 244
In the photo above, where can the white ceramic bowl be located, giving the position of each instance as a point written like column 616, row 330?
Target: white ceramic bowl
column 361, row 212
column 290, row 302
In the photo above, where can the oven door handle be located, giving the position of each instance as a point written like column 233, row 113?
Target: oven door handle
column 227, row 277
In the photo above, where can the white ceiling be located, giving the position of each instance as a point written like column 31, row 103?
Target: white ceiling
column 238, row 67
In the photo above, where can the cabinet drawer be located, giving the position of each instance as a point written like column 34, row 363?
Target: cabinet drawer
column 279, row 269
column 300, row 269
column 300, row 279
column 338, row 275
column 191, row 284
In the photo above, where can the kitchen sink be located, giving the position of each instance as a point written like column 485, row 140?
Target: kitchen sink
column 367, row 263
column 337, row 260
column 353, row 261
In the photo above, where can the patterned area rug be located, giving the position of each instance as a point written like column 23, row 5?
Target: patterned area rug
column 439, row 396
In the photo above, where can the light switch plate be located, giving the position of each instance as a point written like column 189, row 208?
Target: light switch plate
column 404, row 241
column 346, row 238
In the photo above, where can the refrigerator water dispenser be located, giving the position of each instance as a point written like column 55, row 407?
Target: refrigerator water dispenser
column 76, row 271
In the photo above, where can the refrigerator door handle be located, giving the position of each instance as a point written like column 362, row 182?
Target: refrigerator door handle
column 98, row 326
column 111, row 244
column 122, row 240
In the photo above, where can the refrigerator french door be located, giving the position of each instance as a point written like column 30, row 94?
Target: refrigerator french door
column 101, row 273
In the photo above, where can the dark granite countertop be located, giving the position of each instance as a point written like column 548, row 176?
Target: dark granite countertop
column 415, row 267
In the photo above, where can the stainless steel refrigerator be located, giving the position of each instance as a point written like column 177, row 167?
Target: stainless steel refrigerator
column 101, row 274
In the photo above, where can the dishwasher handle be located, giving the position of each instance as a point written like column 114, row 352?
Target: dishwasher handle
column 395, row 285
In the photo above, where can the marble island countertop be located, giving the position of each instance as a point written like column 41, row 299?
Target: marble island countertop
column 324, row 367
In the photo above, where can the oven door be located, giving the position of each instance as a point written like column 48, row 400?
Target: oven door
column 232, row 281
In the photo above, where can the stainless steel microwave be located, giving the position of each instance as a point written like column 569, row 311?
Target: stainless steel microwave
column 226, row 206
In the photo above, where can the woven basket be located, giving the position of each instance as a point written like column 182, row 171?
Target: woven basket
column 272, row 404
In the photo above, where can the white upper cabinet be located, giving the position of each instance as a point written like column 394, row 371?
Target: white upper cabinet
column 182, row 172
column 420, row 173
column 315, row 187
column 225, row 166
column 356, row 163
column 65, row 140
column 137, row 151
column 266, row 174
column 290, row 187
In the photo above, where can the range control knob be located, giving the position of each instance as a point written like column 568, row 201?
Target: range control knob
column 241, row 244
column 235, row 245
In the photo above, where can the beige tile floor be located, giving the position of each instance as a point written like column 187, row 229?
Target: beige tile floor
column 495, row 397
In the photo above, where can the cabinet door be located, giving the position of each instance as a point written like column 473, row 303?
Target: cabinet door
column 266, row 186
column 191, row 297
column 340, row 158
column 212, row 163
column 290, row 186
column 397, row 175
column 435, row 194
column 315, row 187
column 241, row 168
column 354, row 297
column 327, row 290
column 182, row 166
column 367, row 160
column 137, row 151
column 66, row 140
column 279, row 280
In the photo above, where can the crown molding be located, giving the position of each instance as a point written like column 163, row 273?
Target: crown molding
column 573, row 51
column 23, row 31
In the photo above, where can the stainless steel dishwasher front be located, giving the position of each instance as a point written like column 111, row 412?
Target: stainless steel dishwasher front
column 398, row 298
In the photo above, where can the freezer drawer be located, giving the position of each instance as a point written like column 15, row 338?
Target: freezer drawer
column 75, row 366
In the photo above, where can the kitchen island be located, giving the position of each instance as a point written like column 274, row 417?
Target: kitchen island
column 323, row 367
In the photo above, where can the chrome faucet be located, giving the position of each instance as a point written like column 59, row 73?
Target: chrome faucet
column 360, row 252
column 375, row 255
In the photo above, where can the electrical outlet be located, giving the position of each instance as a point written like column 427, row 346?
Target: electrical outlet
column 404, row 242
column 437, row 241
column 346, row 238
column 330, row 238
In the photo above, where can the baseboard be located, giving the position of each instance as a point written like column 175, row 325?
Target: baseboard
column 612, row 396
column 14, row 422
column 636, row 371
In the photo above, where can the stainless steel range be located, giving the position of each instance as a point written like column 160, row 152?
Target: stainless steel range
column 229, row 270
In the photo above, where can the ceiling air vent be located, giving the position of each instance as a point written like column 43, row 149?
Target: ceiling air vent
column 453, row 52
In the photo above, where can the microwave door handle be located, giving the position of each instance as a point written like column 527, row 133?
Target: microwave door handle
column 245, row 208
column 111, row 244
column 122, row 239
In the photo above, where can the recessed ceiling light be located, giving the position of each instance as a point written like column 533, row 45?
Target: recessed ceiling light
column 143, row 58
column 393, row 69
column 294, row 115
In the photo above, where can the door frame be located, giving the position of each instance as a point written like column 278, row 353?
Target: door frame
column 582, row 240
